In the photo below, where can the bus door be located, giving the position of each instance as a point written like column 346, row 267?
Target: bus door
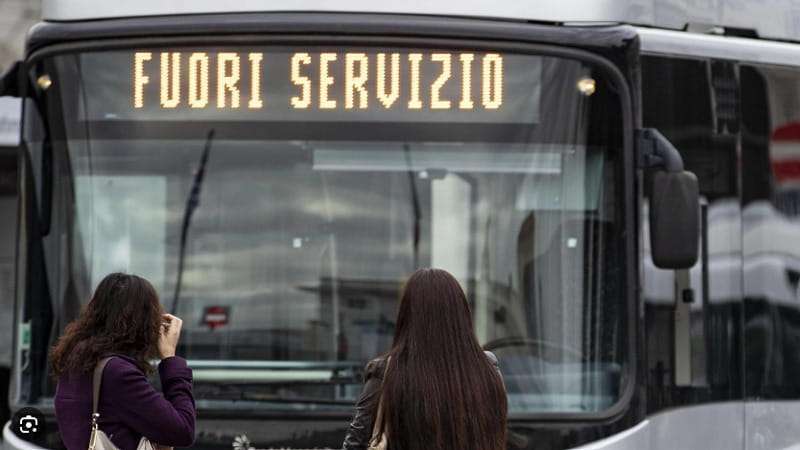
column 692, row 316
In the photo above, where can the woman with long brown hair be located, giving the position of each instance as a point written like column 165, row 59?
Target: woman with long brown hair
column 111, row 345
column 435, row 389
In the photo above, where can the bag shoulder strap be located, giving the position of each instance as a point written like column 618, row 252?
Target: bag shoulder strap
column 97, row 380
column 379, row 413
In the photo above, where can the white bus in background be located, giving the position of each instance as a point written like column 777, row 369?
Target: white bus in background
column 278, row 173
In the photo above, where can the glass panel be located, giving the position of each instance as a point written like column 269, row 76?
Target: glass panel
column 771, row 158
column 283, row 240
column 771, row 228
column 693, row 349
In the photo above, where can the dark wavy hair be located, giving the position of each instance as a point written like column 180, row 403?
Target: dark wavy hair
column 440, row 391
column 124, row 317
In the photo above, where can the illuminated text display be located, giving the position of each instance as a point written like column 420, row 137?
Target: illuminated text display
column 355, row 79
column 325, row 85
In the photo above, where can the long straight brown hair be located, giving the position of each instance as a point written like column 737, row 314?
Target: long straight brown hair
column 440, row 391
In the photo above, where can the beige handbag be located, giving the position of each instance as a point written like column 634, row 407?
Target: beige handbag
column 378, row 441
column 99, row 440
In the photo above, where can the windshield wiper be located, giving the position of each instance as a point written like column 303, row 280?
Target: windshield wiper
column 414, row 202
column 191, row 205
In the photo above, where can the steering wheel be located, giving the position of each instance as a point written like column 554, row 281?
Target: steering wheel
column 543, row 348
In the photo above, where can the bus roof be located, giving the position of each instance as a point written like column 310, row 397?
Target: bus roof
column 780, row 20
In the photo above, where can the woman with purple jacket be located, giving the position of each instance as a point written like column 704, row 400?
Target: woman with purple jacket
column 124, row 319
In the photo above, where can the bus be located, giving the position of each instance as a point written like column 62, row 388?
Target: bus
column 616, row 185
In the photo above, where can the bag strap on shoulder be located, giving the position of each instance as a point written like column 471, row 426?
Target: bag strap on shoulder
column 97, row 380
column 379, row 413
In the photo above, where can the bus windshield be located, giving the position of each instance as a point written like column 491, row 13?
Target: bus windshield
column 278, row 197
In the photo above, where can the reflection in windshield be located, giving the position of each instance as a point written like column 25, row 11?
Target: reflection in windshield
column 307, row 245
column 191, row 204
column 296, row 254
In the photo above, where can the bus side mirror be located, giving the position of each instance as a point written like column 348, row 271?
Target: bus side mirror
column 674, row 203
column 674, row 219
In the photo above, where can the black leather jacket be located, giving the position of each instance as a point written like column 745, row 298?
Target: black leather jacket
column 360, row 431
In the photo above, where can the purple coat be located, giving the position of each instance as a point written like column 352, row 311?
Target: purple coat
column 129, row 405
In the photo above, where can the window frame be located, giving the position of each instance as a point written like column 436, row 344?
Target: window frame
column 414, row 38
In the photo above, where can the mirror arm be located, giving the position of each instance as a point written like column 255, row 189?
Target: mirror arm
column 656, row 151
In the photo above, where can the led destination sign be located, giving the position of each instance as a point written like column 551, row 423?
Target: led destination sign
column 363, row 84
column 355, row 77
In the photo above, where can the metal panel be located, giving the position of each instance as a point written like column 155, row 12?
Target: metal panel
column 210, row 27
column 554, row 11
column 678, row 43
column 635, row 438
column 709, row 427
column 773, row 425
column 10, row 111
column 10, row 441
column 772, row 19
column 682, row 331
